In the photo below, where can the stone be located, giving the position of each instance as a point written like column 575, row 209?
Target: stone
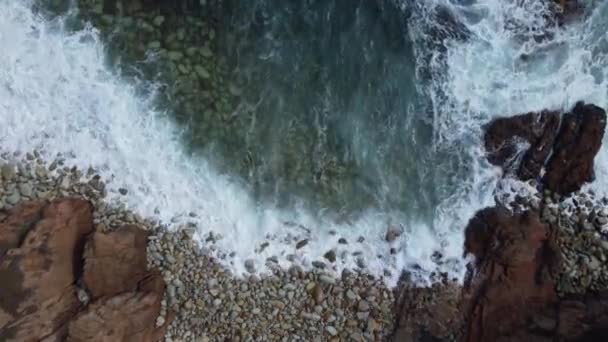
column 175, row 55
column 123, row 191
column 206, row 51
column 202, row 72
column 13, row 198
column 317, row 294
column 331, row 330
column 115, row 262
column 318, row 264
column 330, row 256
column 579, row 140
column 43, row 240
column 392, row 234
column 326, row 279
column 250, row 265
column 7, row 171
column 158, row 20
column 363, row 305
column 301, row 244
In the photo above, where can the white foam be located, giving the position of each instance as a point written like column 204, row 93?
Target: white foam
column 58, row 96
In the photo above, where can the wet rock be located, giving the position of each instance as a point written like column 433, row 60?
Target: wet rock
column 515, row 259
column 392, row 234
column 579, row 140
column 522, row 143
column 301, row 244
column 330, row 256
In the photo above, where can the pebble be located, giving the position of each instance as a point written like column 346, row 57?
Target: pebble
column 331, row 330
column 301, row 244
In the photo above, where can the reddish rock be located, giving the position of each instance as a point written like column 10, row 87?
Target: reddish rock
column 41, row 251
column 428, row 312
column 129, row 316
column 522, row 143
column 38, row 295
column 512, row 282
column 115, row 262
column 579, row 140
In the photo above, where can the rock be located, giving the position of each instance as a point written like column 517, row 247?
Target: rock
column 318, row 264
column 392, row 234
column 342, row 241
column 363, row 306
column 129, row 316
column 41, row 254
column 13, row 198
column 123, row 191
column 158, row 20
column 25, row 189
column 517, row 242
column 40, row 244
column 7, row 171
column 330, row 256
column 331, row 330
column 326, row 279
column 301, row 244
column 317, row 294
column 250, row 265
column 579, row 140
column 521, row 144
column 115, row 262
column 202, row 72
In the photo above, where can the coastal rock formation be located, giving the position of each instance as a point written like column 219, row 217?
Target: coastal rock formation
column 512, row 284
column 579, row 140
column 526, row 144
column 527, row 282
column 46, row 289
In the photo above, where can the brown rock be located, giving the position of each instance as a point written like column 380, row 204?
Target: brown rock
column 512, row 282
column 38, row 273
column 41, row 248
column 505, row 139
column 428, row 312
column 579, row 140
column 522, row 144
column 115, row 262
column 130, row 316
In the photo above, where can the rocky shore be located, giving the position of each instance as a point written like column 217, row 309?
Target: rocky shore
column 97, row 271
column 75, row 268
column 117, row 264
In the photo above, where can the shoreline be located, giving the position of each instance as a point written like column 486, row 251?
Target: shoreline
column 312, row 303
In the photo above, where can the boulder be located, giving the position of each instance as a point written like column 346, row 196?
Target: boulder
column 512, row 282
column 38, row 270
column 563, row 145
column 522, row 143
column 579, row 140
column 42, row 249
column 115, row 262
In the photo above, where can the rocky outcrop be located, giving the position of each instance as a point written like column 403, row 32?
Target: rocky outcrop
column 562, row 147
column 524, row 283
column 574, row 150
column 521, row 144
column 512, row 284
column 46, row 272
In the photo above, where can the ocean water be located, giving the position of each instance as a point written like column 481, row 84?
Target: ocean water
column 356, row 117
